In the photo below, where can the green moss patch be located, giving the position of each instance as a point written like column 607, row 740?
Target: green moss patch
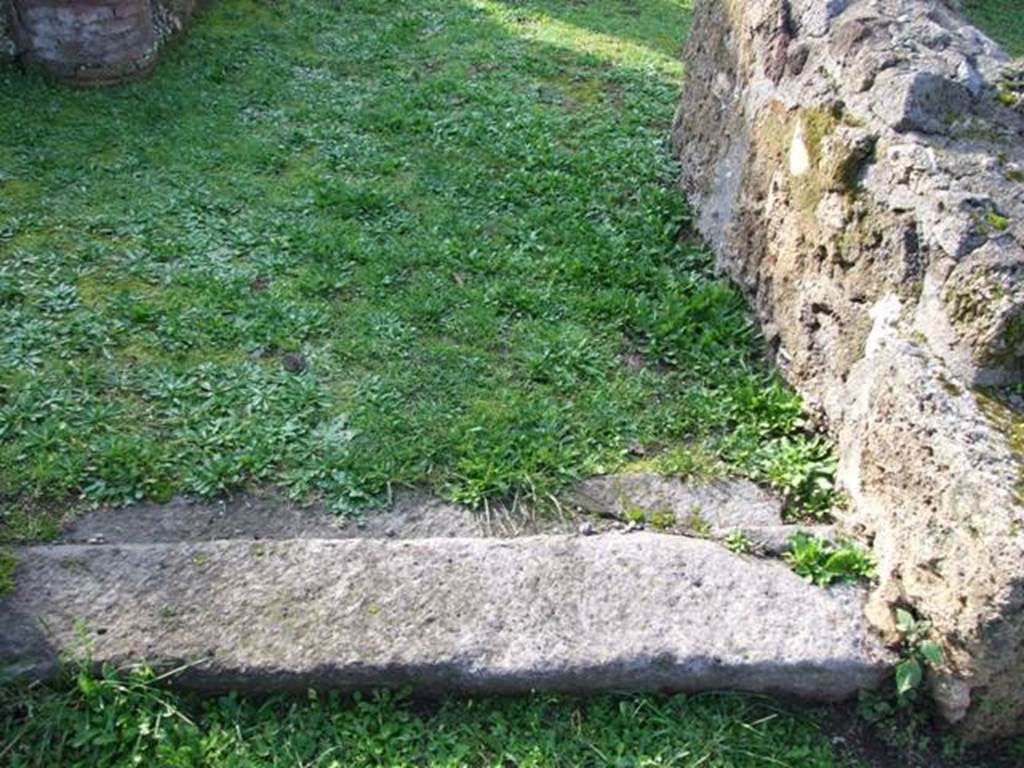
column 8, row 562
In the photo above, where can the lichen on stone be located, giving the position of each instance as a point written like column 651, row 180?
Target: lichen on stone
column 879, row 170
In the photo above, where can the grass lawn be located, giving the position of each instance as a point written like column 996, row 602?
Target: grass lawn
column 1003, row 20
column 107, row 723
column 343, row 247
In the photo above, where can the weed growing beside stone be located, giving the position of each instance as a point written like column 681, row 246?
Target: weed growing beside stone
column 824, row 563
column 342, row 248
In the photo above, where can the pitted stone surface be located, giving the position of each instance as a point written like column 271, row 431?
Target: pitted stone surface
column 858, row 167
column 270, row 516
column 710, row 510
column 597, row 613
column 719, row 504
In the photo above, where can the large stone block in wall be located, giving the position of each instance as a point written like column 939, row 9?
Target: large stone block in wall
column 858, row 167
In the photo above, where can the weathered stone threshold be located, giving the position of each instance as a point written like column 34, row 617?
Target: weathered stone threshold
column 613, row 612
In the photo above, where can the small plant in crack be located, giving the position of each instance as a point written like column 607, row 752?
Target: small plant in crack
column 804, row 470
column 634, row 514
column 662, row 520
column 918, row 651
column 901, row 717
column 823, row 563
column 698, row 523
column 737, row 541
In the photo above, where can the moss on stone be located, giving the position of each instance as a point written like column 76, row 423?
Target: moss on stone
column 633, row 513
column 952, row 388
column 980, row 302
column 847, row 171
column 967, row 303
column 662, row 520
column 997, row 221
column 808, row 190
column 818, row 125
column 833, row 167
column 774, row 132
column 1006, row 98
column 1012, row 339
column 697, row 522
column 1009, row 423
column 8, row 562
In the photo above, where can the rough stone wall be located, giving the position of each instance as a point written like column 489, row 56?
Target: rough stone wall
column 94, row 42
column 6, row 41
column 858, row 167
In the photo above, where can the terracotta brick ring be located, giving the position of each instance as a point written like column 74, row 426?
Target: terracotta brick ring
column 91, row 42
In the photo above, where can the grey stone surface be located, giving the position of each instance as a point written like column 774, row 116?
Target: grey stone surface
column 270, row 515
column 569, row 613
column 718, row 504
column 7, row 47
column 858, row 168
column 244, row 516
column 711, row 510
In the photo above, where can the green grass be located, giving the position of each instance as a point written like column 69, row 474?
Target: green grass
column 462, row 215
column 1000, row 19
column 8, row 562
column 124, row 720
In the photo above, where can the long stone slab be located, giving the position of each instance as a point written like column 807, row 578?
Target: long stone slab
column 568, row 613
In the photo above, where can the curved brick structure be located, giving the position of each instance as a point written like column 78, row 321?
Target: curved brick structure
column 96, row 41
column 91, row 42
